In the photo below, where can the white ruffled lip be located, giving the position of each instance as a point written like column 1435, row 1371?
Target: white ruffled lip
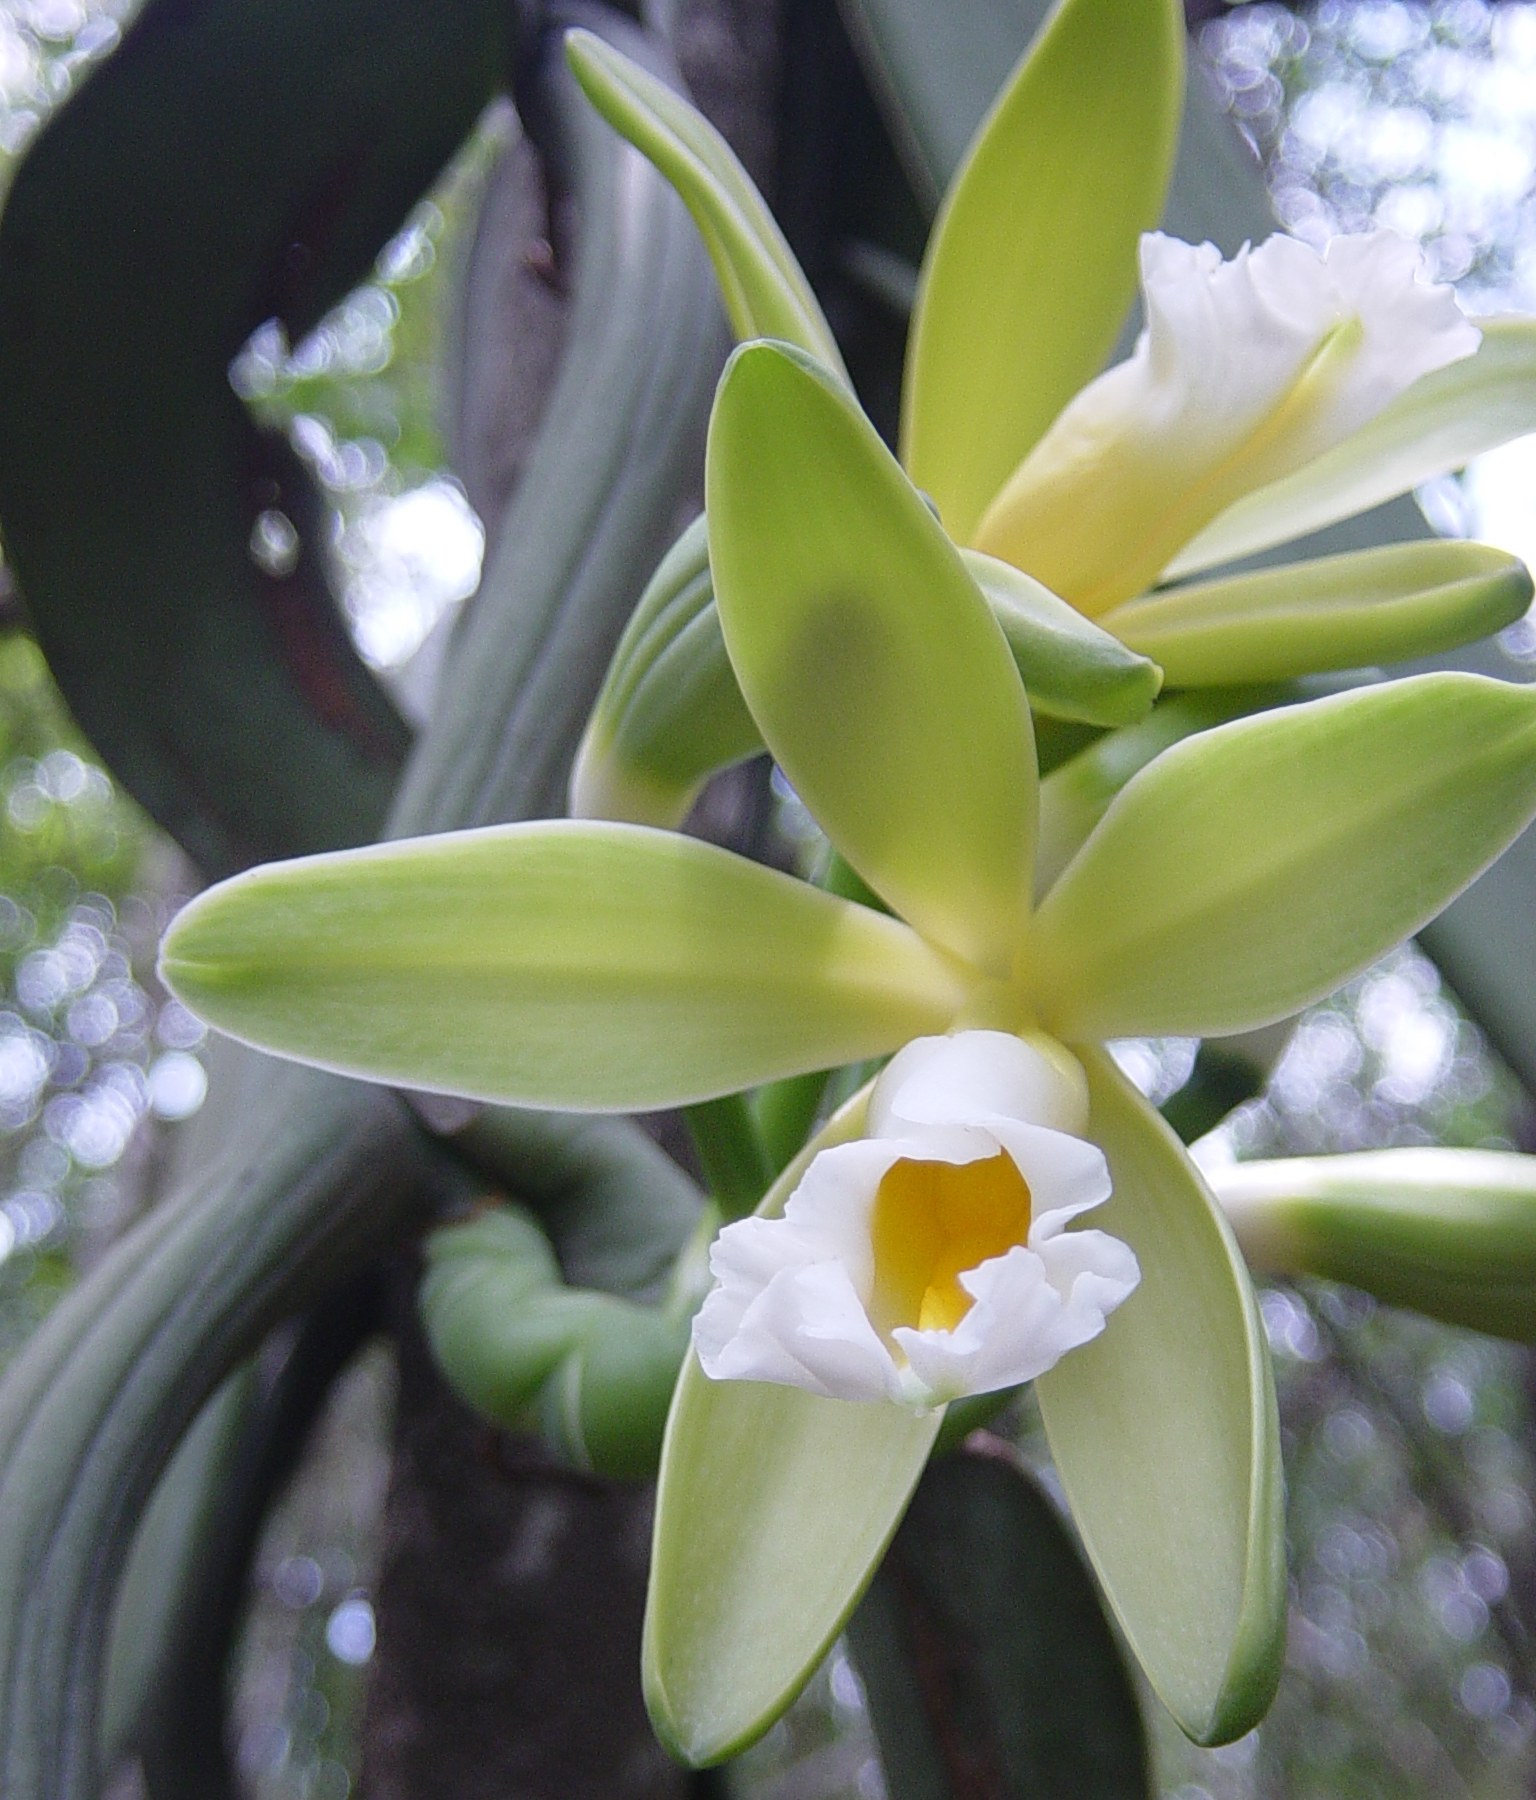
column 790, row 1304
column 1247, row 369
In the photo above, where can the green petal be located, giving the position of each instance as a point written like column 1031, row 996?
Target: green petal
column 599, row 967
column 1337, row 612
column 1032, row 262
column 1451, row 1233
column 1072, row 669
column 764, row 290
column 878, row 676
column 773, row 1509
column 1165, row 1435
column 1439, row 424
column 1249, row 870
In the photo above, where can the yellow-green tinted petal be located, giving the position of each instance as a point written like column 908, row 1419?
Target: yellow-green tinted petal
column 1451, row 1233
column 598, row 967
column 1337, row 612
column 1249, row 870
column 873, row 666
column 1032, row 262
column 1440, row 423
column 1072, row 669
column 1165, row 1436
column 773, row 1509
column 764, row 290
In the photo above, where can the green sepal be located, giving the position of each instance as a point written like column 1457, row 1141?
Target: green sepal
column 773, row 1510
column 1165, row 1434
column 592, row 966
column 1450, row 1233
column 1072, row 669
column 765, row 292
column 1337, row 612
column 1032, row 262
column 1251, row 869
column 1440, row 423
column 878, row 676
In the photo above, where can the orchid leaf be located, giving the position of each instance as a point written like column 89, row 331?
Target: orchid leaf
column 1165, row 1435
column 1336, row 612
column 874, row 668
column 765, row 292
column 773, row 1509
column 1451, row 1233
column 1032, row 262
column 1439, row 424
column 1072, row 668
column 1249, row 870
column 604, row 967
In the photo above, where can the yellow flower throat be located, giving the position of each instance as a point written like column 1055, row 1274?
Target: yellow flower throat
column 932, row 1221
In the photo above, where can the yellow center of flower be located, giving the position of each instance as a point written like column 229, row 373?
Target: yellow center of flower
column 933, row 1221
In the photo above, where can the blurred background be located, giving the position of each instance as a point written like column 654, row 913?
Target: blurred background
column 1410, row 1448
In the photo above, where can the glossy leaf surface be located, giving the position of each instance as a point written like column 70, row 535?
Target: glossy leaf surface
column 561, row 964
column 986, row 1659
column 1032, row 262
column 1251, row 869
column 1165, row 1435
column 877, row 674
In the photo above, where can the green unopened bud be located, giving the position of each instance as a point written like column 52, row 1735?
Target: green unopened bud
column 1450, row 1233
column 670, row 713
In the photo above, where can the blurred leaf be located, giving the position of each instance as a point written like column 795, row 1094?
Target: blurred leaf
column 987, row 1662
column 1250, row 870
column 1164, row 1433
column 224, row 695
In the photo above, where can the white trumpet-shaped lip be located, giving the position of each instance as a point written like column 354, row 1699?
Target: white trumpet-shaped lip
column 793, row 1295
column 1247, row 369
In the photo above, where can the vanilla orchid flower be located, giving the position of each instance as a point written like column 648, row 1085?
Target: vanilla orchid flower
column 1246, row 370
column 1269, row 395
column 1238, row 876
column 930, row 1259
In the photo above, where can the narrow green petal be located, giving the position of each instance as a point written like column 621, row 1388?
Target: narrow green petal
column 1072, row 668
column 874, row 668
column 1032, row 262
column 598, row 967
column 1441, row 423
column 765, row 292
column 1451, row 1233
column 773, row 1509
column 1165, row 1435
column 1249, row 870
column 1337, row 612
